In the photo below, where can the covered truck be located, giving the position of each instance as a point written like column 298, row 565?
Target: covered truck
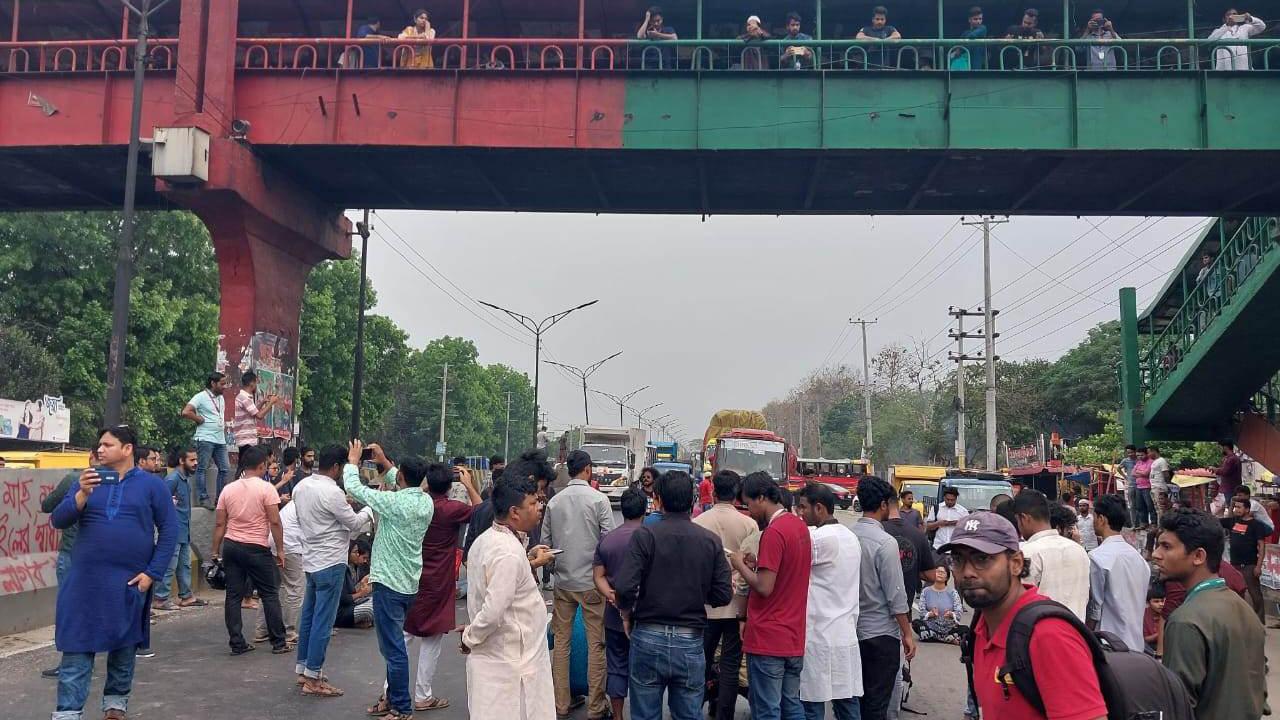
column 617, row 455
column 738, row 440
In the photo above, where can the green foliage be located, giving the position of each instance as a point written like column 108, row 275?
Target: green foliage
column 1108, row 447
column 30, row 371
column 56, row 282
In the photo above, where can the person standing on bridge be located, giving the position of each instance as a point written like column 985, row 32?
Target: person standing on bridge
column 1099, row 29
column 508, row 670
column 127, row 532
column 1235, row 26
column 420, row 30
column 576, row 518
column 654, row 27
column 208, row 410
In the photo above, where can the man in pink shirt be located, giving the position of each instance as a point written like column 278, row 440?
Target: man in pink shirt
column 247, row 413
column 247, row 518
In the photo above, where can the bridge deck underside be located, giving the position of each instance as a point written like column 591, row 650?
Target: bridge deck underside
column 703, row 181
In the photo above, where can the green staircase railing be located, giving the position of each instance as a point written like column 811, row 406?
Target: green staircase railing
column 1216, row 287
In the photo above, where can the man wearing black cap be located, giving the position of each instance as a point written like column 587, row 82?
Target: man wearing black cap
column 988, row 570
column 575, row 520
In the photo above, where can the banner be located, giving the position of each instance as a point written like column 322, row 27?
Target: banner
column 1271, row 567
column 1022, row 456
column 28, row 543
column 266, row 357
column 43, row 420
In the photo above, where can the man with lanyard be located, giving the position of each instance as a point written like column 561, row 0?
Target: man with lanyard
column 208, row 410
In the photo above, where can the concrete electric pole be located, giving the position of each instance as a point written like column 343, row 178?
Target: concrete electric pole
column 866, row 384
column 989, row 331
column 959, row 335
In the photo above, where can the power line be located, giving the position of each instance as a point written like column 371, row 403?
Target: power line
column 907, row 272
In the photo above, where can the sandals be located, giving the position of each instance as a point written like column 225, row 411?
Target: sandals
column 192, row 602
column 380, row 708
column 321, row 689
column 431, row 703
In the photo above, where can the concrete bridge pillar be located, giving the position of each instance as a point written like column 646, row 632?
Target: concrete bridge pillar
column 267, row 235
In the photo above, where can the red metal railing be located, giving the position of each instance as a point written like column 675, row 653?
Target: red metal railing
column 77, row 56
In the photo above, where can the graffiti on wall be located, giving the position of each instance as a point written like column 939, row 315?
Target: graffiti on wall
column 28, row 543
column 47, row 419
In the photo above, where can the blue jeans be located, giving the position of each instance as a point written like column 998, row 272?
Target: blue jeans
column 315, row 624
column 76, row 672
column 774, row 687
column 389, row 609
column 205, row 451
column 180, row 565
column 664, row 657
column 846, row 709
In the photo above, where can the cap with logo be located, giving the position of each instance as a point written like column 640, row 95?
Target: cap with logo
column 985, row 532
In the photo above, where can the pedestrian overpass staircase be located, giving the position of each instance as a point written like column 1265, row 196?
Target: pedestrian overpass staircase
column 1208, row 344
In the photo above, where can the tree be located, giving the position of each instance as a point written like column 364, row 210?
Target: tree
column 30, row 371
column 326, row 365
column 1083, row 384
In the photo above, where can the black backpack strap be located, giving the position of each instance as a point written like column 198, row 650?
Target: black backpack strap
column 967, row 648
column 1017, row 659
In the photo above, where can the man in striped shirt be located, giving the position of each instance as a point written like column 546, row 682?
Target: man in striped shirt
column 244, row 423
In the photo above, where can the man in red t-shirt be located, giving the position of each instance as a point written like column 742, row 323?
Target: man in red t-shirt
column 776, row 606
column 706, row 492
column 988, row 568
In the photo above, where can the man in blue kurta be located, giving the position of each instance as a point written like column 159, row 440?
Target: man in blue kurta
column 117, row 557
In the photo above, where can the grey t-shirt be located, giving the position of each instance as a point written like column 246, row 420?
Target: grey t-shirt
column 882, row 593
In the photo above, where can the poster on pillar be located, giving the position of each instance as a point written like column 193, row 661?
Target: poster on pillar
column 28, row 543
column 268, row 357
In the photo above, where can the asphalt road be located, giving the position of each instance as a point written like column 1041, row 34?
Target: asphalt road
column 193, row 677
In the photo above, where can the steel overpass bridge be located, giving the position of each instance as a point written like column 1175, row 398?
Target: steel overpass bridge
column 532, row 106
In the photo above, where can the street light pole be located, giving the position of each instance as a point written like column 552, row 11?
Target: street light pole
column 622, row 401
column 640, row 414
column 584, row 374
column 357, row 384
column 124, row 246
column 537, row 328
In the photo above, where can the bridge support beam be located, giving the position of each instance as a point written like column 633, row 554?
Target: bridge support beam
column 267, row 235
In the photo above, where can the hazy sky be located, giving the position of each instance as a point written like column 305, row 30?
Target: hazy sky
column 734, row 311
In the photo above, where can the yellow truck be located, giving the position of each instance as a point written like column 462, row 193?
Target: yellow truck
column 922, row 480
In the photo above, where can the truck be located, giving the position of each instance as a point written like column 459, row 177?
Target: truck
column 666, row 451
column 739, row 440
column 617, row 455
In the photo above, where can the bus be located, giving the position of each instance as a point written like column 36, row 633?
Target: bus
column 845, row 472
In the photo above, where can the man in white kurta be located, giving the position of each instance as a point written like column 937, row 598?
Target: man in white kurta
column 508, row 666
column 832, row 665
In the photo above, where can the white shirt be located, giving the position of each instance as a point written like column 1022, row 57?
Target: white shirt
column 1235, row 57
column 942, row 512
column 1060, row 569
column 1260, row 514
column 292, row 534
column 1161, row 474
column 832, row 666
column 1118, row 581
column 325, row 522
column 1088, row 536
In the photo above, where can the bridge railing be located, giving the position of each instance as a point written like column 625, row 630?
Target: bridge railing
column 708, row 55
column 1216, row 287
column 63, row 56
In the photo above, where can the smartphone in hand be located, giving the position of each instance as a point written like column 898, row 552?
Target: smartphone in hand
column 107, row 476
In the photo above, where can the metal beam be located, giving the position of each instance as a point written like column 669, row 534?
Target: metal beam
column 1158, row 182
column 595, row 182
column 1246, row 199
column 814, row 176
column 927, row 182
column 488, row 181
column 1043, row 176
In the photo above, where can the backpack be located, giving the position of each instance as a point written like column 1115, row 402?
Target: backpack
column 1135, row 686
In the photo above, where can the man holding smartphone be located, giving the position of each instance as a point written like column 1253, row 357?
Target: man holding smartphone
column 128, row 529
column 1235, row 26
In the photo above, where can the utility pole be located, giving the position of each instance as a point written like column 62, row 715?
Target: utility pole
column 506, row 440
column 584, row 374
column 357, row 384
column 124, row 246
column 444, row 397
column 866, row 383
column 989, row 331
column 959, row 335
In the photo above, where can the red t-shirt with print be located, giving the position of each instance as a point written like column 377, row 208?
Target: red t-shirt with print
column 775, row 624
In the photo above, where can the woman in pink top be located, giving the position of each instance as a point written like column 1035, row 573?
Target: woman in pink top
column 1145, row 510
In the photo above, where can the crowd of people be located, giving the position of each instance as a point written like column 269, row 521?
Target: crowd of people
column 654, row 28
column 765, row 593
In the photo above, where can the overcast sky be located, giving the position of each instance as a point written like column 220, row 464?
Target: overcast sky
column 734, row 311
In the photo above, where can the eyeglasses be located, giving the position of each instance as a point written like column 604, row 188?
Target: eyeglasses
column 980, row 561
